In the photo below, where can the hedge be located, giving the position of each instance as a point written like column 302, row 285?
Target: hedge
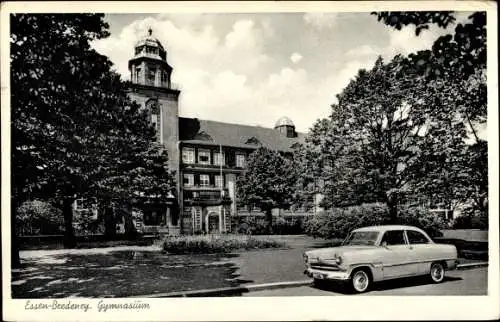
column 206, row 244
column 338, row 222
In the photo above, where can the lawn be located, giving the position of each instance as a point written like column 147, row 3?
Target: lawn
column 119, row 274
column 131, row 271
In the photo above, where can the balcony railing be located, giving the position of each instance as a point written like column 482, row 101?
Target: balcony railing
column 210, row 196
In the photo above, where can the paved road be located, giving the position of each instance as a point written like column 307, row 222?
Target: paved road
column 464, row 282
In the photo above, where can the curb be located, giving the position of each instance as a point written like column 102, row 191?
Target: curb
column 472, row 265
column 227, row 291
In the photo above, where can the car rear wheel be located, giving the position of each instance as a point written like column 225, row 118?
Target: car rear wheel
column 360, row 281
column 437, row 272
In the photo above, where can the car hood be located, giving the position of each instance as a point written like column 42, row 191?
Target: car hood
column 326, row 253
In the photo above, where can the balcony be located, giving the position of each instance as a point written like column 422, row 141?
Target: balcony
column 206, row 196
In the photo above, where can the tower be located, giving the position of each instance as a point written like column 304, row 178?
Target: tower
column 151, row 87
column 285, row 127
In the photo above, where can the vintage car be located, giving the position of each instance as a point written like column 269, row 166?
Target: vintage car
column 378, row 253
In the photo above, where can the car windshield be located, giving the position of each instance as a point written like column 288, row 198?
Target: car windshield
column 357, row 238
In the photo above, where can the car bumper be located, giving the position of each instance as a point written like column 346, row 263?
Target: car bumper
column 327, row 275
column 451, row 264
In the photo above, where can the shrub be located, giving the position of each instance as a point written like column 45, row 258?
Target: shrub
column 475, row 221
column 338, row 222
column 251, row 225
column 206, row 244
column 425, row 220
column 257, row 225
column 38, row 218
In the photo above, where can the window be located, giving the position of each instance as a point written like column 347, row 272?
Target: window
column 394, row 237
column 138, row 74
column 361, row 238
column 240, row 160
column 188, row 155
column 188, row 179
column 218, row 158
column 151, row 76
column 218, row 181
column 164, row 77
column 155, row 119
column 204, row 156
column 204, row 180
column 415, row 237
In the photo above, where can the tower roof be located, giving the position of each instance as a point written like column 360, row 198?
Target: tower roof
column 149, row 40
column 284, row 121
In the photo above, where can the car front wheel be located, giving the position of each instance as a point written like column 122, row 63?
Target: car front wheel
column 360, row 281
column 437, row 272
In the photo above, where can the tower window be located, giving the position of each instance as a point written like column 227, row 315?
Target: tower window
column 151, row 76
column 138, row 74
column 164, row 77
column 155, row 120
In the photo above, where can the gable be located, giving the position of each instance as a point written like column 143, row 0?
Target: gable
column 252, row 141
column 203, row 136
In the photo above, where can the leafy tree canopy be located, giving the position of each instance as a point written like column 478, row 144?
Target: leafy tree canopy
column 268, row 181
column 74, row 130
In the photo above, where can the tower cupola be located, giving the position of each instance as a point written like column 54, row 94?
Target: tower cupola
column 149, row 65
column 286, row 127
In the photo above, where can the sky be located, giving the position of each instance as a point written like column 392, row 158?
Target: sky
column 254, row 68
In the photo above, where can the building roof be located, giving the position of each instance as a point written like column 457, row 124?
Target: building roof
column 207, row 132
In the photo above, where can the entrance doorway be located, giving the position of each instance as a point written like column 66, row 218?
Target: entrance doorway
column 213, row 223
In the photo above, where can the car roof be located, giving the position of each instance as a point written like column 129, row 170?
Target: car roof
column 387, row 227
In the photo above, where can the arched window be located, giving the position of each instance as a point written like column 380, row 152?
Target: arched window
column 154, row 111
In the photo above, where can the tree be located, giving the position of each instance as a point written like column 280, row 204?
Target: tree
column 457, row 65
column 267, row 182
column 391, row 133
column 73, row 125
column 459, row 54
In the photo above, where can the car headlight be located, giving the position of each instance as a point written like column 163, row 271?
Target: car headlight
column 338, row 260
column 305, row 257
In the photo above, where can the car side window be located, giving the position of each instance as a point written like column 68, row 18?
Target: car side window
column 415, row 237
column 394, row 237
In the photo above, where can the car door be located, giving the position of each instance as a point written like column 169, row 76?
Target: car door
column 421, row 251
column 396, row 262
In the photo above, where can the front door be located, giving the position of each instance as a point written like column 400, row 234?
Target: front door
column 396, row 260
column 213, row 223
